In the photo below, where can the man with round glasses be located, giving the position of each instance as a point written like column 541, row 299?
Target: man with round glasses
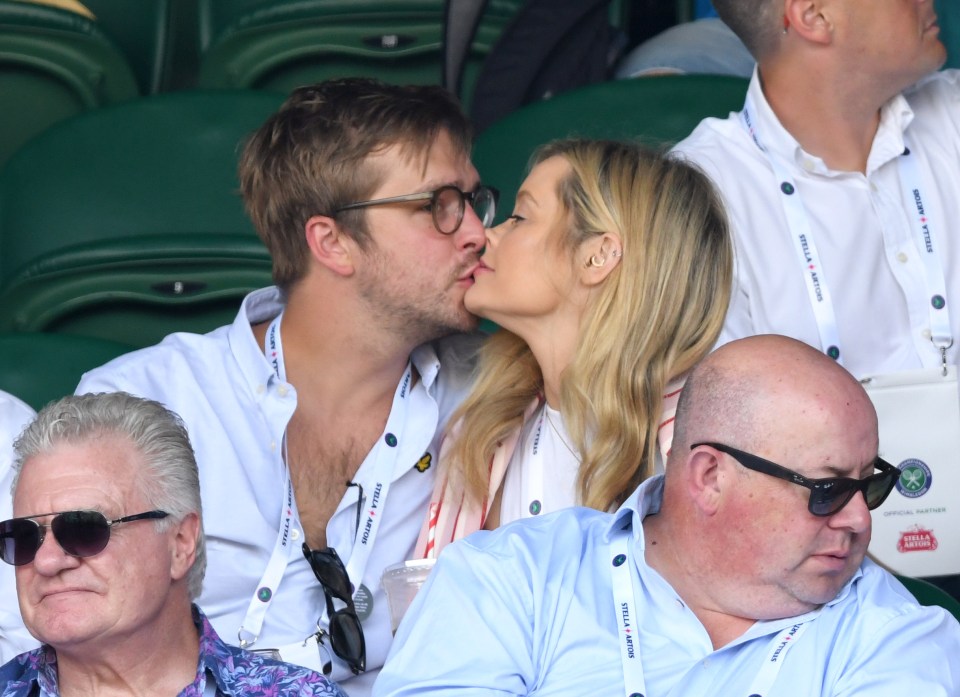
column 109, row 553
column 741, row 571
column 317, row 415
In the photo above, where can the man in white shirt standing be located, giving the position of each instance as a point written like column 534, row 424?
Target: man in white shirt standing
column 316, row 416
column 840, row 177
column 740, row 571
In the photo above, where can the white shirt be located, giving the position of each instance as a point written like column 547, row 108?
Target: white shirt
column 542, row 475
column 869, row 256
column 528, row 609
column 236, row 411
column 14, row 638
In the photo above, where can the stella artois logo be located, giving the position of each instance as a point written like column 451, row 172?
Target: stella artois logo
column 917, row 540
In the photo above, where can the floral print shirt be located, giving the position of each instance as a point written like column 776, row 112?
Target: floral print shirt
column 233, row 671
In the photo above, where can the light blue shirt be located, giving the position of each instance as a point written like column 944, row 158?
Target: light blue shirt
column 528, row 610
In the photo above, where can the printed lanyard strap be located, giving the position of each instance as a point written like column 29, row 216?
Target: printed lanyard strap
column 803, row 243
column 940, row 332
column 536, row 466
column 624, row 610
column 267, row 587
column 628, row 630
column 806, row 248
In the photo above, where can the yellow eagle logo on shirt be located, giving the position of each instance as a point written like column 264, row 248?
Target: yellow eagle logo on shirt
column 423, row 464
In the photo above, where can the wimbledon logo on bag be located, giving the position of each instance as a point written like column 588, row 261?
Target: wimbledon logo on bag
column 915, row 478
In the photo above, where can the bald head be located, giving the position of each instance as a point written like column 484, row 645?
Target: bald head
column 756, row 391
column 750, row 545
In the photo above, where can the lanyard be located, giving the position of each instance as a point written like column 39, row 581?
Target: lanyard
column 910, row 179
column 386, row 453
column 809, row 259
column 266, row 589
column 628, row 631
column 628, row 635
column 536, row 466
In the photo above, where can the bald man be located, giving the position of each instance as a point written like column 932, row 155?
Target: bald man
column 739, row 572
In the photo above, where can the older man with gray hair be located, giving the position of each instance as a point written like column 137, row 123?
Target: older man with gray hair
column 109, row 552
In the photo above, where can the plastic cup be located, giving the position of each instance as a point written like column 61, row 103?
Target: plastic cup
column 401, row 583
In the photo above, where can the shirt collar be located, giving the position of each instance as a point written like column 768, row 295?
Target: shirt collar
column 259, row 306
column 895, row 117
column 644, row 501
column 46, row 668
column 214, row 655
column 427, row 363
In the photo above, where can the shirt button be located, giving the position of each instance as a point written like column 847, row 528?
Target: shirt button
column 926, row 334
column 261, row 389
column 808, row 165
column 902, row 257
column 294, row 534
column 273, row 445
column 282, row 390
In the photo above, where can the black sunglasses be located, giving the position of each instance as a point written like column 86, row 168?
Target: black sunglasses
column 79, row 533
column 447, row 205
column 346, row 632
column 827, row 495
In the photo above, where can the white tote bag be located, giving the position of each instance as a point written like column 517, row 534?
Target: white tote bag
column 916, row 532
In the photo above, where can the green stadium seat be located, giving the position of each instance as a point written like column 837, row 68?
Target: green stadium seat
column 125, row 223
column 287, row 43
column 656, row 110
column 928, row 594
column 39, row 368
column 948, row 16
column 143, row 30
column 54, row 64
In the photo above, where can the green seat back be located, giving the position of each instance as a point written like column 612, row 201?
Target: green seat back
column 126, row 223
column 39, row 368
column 657, row 110
column 283, row 45
column 54, row 64
column 928, row 594
column 948, row 16
column 143, row 30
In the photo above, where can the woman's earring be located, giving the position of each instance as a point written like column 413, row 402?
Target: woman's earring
column 596, row 260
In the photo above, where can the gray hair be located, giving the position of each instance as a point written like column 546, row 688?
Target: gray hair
column 171, row 482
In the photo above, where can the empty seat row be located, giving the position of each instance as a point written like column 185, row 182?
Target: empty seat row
column 55, row 63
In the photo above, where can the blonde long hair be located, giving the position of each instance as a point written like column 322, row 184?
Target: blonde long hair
column 657, row 314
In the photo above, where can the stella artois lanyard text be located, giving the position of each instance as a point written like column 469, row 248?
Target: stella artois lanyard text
column 386, row 455
column 806, row 248
column 628, row 628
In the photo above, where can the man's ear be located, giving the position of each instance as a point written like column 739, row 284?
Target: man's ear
column 704, row 480
column 184, row 546
column 809, row 19
column 599, row 256
column 329, row 245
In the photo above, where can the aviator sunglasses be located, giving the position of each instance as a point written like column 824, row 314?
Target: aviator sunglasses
column 79, row 533
column 827, row 495
column 346, row 632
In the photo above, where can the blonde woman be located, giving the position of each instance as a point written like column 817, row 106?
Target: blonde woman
column 610, row 281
